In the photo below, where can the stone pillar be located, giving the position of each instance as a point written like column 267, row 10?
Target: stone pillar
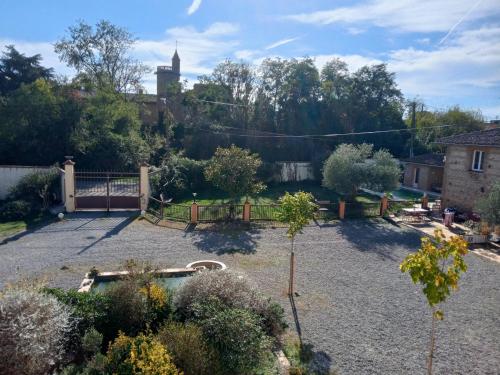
column 246, row 211
column 144, row 186
column 194, row 213
column 341, row 209
column 69, row 185
column 384, row 204
column 425, row 202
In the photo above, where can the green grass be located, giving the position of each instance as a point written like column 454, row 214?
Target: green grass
column 272, row 194
column 10, row 228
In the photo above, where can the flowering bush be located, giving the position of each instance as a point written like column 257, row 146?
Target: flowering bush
column 34, row 329
column 232, row 291
column 142, row 354
column 189, row 349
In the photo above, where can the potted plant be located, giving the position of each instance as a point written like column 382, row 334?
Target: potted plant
column 474, row 233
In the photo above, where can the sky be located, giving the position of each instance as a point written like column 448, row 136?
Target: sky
column 443, row 52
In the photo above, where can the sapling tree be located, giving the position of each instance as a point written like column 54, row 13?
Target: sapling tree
column 437, row 265
column 297, row 211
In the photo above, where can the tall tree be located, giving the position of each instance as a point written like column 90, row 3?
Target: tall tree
column 17, row 69
column 102, row 55
column 36, row 124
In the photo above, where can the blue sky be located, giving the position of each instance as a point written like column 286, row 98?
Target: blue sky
column 444, row 52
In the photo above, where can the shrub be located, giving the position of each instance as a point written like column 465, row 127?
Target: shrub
column 189, row 349
column 91, row 342
column 232, row 291
column 88, row 309
column 127, row 308
column 143, row 355
column 158, row 303
column 237, row 336
column 34, row 329
column 15, row 210
column 177, row 177
column 39, row 188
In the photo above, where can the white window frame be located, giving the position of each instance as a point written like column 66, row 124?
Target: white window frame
column 479, row 162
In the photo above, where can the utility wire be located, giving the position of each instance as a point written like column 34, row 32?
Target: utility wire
column 221, row 103
column 331, row 135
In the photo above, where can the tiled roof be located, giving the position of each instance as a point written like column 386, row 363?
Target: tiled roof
column 436, row 160
column 490, row 137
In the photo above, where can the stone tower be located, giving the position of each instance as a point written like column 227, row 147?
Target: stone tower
column 166, row 75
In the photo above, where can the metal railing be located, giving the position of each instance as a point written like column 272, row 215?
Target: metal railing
column 329, row 211
column 357, row 210
column 214, row 213
column 268, row 212
column 165, row 210
column 177, row 212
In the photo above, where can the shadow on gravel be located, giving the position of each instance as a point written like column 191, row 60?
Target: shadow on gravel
column 377, row 237
column 225, row 241
column 110, row 233
column 320, row 361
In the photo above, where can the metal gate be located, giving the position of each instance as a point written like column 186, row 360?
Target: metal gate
column 107, row 190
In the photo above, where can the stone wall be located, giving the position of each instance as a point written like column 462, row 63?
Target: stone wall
column 430, row 177
column 10, row 175
column 461, row 185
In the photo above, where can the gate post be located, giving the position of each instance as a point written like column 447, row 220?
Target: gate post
column 341, row 209
column 194, row 213
column 384, row 204
column 69, row 185
column 143, row 186
column 246, row 211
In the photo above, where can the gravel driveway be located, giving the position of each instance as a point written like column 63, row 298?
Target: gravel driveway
column 359, row 313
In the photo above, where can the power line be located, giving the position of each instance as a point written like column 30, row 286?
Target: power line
column 221, row 103
column 331, row 135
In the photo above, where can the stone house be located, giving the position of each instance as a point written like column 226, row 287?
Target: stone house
column 424, row 172
column 472, row 166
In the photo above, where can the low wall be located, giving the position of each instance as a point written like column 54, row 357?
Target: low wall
column 295, row 171
column 10, row 175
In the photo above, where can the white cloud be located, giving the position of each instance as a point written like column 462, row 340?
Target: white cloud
column 403, row 15
column 193, row 7
column 355, row 30
column 246, row 54
column 280, row 43
column 45, row 49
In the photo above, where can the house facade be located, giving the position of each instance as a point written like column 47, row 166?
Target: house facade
column 472, row 166
column 424, row 172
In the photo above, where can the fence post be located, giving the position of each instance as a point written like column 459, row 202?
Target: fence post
column 425, row 202
column 69, row 185
column 161, row 207
column 194, row 213
column 246, row 211
column 384, row 204
column 341, row 209
column 144, row 186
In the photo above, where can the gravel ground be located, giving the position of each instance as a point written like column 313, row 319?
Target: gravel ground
column 356, row 310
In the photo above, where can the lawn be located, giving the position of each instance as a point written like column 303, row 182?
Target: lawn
column 12, row 227
column 272, row 194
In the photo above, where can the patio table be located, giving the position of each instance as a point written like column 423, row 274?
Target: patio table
column 414, row 214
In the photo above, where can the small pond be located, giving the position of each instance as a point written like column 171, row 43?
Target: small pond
column 171, row 282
